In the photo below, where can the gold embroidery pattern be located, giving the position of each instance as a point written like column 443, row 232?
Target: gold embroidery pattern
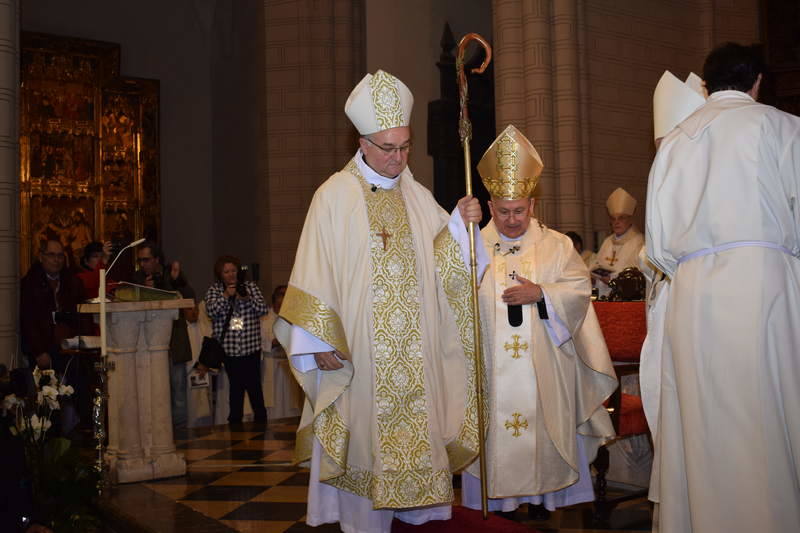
column 330, row 429
column 517, row 424
column 515, row 346
column 313, row 315
column 397, row 489
column 386, row 100
column 455, row 281
column 407, row 477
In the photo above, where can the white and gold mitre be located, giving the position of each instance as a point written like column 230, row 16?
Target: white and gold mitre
column 511, row 167
column 620, row 203
column 379, row 102
column 674, row 100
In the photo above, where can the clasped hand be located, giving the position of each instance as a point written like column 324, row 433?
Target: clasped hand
column 329, row 360
column 527, row 292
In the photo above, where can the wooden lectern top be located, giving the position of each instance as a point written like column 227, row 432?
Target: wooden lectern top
column 152, row 305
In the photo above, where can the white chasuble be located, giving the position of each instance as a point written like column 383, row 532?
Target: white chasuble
column 546, row 378
column 379, row 277
column 616, row 254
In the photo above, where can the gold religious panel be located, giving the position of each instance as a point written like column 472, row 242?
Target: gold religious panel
column 89, row 161
column 67, row 220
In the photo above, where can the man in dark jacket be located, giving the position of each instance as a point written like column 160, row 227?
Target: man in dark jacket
column 49, row 296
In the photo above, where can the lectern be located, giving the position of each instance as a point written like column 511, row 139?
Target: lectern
column 140, row 440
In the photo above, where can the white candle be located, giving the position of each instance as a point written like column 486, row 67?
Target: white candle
column 102, row 296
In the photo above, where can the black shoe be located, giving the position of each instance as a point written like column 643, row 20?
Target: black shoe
column 508, row 515
column 538, row 512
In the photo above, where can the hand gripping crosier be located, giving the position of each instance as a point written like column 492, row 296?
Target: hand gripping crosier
column 465, row 132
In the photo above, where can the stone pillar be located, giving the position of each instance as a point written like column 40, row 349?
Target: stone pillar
column 9, row 178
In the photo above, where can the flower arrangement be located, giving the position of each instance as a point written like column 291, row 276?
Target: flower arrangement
column 59, row 480
column 33, row 419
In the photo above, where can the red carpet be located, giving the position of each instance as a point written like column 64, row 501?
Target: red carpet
column 464, row 521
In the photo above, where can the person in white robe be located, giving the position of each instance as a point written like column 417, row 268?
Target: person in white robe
column 723, row 224
column 377, row 324
column 619, row 250
column 548, row 369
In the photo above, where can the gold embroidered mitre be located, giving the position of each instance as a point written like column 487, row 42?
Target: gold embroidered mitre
column 379, row 102
column 511, row 167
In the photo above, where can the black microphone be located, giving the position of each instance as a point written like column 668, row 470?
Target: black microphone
column 515, row 315
column 374, row 188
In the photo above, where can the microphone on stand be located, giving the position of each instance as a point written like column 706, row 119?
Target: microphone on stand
column 104, row 272
column 131, row 245
column 101, row 297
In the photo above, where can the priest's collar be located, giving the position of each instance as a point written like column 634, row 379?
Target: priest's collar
column 372, row 177
column 729, row 93
column 511, row 239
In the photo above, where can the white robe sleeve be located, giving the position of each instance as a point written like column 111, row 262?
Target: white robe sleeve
column 459, row 232
column 558, row 331
column 302, row 346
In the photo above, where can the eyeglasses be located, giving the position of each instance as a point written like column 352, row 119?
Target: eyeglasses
column 143, row 259
column 392, row 149
column 54, row 255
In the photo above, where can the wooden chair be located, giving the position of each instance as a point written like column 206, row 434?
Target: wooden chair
column 624, row 326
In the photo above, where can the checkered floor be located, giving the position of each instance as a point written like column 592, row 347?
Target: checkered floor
column 241, row 479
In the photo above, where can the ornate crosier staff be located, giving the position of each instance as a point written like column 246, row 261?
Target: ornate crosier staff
column 465, row 132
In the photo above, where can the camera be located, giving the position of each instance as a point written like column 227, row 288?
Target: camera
column 241, row 277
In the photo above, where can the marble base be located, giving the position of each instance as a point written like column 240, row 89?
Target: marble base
column 139, row 469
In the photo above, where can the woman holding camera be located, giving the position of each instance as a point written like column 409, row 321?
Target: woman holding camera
column 235, row 307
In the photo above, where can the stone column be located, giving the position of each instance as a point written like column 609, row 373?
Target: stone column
column 9, row 178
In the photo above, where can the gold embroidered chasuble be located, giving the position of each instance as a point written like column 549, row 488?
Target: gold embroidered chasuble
column 379, row 277
column 540, row 394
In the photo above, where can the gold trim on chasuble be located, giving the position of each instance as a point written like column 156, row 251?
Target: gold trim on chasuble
column 456, row 282
column 315, row 316
column 407, row 477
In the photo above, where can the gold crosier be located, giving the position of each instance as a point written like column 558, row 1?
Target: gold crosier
column 465, row 133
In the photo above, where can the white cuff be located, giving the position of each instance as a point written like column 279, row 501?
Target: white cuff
column 303, row 346
column 558, row 332
column 460, row 233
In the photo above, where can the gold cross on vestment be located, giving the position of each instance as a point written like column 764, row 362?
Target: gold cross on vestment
column 613, row 259
column 517, row 424
column 385, row 236
column 516, row 346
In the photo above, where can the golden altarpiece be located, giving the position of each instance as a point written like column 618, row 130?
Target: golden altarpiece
column 89, row 148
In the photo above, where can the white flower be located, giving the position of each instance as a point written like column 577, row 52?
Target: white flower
column 50, row 394
column 65, row 390
column 37, row 425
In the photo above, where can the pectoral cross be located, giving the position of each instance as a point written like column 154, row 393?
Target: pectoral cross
column 517, row 424
column 613, row 259
column 516, row 346
column 385, row 236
